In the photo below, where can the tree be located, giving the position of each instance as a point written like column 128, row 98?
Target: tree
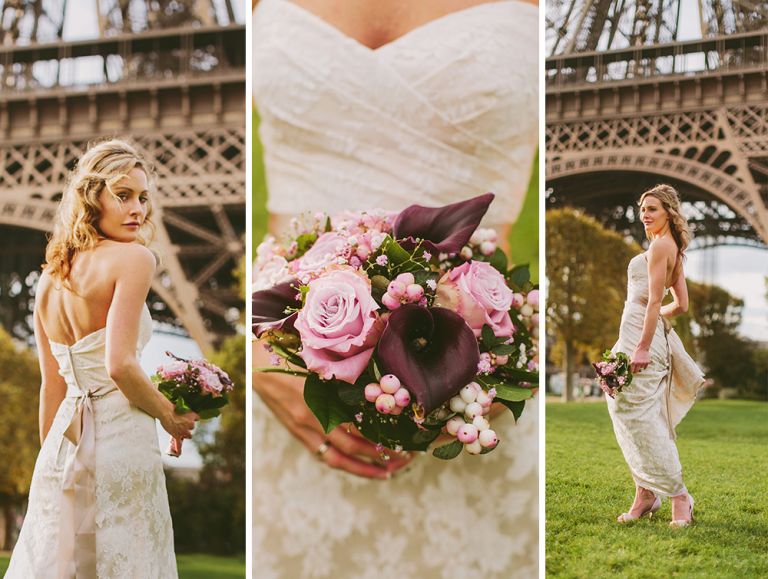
column 587, row 275
column 19, row 439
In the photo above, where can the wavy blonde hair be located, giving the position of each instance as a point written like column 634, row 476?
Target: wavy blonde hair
column 678, row 224
column 78, row 214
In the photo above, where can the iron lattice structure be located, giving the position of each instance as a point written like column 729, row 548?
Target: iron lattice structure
column 628, row 106
column 171, row 77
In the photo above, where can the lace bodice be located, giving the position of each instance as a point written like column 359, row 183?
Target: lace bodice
column 637, row 280
column 82, row 364
column 443, row 113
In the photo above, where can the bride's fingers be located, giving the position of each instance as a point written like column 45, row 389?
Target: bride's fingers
column 354, row 445
column 337, row 458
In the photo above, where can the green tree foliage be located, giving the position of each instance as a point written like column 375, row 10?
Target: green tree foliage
column 19, row 439
column 587, row 277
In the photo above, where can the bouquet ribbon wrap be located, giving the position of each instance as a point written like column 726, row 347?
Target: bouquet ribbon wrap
column 77, row 527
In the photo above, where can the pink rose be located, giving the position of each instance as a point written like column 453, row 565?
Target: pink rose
column 175, row 369
column 322, row 254
column 210, row 381
column 479, row 294
column 338, row 325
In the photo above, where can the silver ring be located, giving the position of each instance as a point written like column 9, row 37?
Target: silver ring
column 322, row 449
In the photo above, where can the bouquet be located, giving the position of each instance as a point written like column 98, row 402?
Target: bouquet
column 406, row 325
column 613, row 372
column 193, row 385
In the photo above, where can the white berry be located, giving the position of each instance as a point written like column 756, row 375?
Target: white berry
column 453, row 425
column 473, row 447
column 389, row 383
column 473, row 409
column 372, row 392
column 457, row 404
column 481, row 423
column 468, row 394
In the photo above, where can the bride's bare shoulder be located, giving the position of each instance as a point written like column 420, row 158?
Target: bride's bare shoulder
column 127, row 258
column 662, row 247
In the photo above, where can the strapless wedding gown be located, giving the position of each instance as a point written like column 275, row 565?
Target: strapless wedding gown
column 444, row 113
column 646, row 413
column 98, row 508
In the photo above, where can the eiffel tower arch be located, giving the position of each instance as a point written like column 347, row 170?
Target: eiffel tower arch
column 173, row 81
column 629, row 106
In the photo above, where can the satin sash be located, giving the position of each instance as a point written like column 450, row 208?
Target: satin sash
column 77, row 526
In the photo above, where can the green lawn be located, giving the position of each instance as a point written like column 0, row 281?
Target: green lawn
column 523, row 238
column 724, row 451
column 191, row 566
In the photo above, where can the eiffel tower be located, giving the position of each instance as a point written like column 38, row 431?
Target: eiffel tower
column 630, row 104
column 169, row 75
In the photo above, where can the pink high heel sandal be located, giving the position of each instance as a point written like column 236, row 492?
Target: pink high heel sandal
column 626, row 517
column 680, row 523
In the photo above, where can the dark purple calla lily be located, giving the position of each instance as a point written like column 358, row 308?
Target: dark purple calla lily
column 269, row 307
column 431, row 350
column 442, row 229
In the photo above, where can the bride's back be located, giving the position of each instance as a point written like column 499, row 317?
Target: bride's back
column 70, row 313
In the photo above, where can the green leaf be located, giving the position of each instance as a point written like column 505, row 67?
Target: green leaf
column 519, row 275
column 489, row 338
column 350, row 394
column 273, row 370
column 512, row 393
column 395, row 252
column 324, row 402
column 328, row 226
column 506, row 375
column 515, row 407
column 209, row 413
column 425, row 436
column 448, row 451
column 181, row 406
column 504, row 349
column 499, row 261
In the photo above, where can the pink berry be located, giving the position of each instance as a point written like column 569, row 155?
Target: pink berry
column 402, row 398
column 414, row 292
column 501, row 360
column 389, row 383
column 477, row 388
column 372, row 392
column 467, row 433
column 488, row 438
column 390, row 301
column 406, row 279
column 535, row 320
column 397, row 410
column 453, row 425
column 487, row 247
column 363, row 251
column 533, row 298
column 483, row 399
column 385, row 403
column 517, row 300
column 466, row 253
column 396, row 289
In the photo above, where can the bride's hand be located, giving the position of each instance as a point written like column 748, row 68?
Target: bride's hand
column 179, row 426
column 343, row 448
column 640, row 360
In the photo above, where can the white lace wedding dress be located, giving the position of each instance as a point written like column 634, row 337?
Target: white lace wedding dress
column 98, row 508
column 444, row 113
column 646, row 413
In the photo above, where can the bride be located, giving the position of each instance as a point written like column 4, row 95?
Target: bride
column 382, row 104
column 666, row 379
column 97, row 504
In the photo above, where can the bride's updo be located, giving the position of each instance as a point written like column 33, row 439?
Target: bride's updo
column 678, row 224
column 100, row 168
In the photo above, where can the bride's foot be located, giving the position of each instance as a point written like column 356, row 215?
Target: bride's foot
column 646, row 503
column 682, row 511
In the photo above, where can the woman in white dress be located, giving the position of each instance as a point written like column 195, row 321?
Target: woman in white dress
column 381, row 104
column 666, row 379
column 98, row 506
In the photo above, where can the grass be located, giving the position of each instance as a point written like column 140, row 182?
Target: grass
column 523, row 238
column 722, row 447
column 190, row 566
